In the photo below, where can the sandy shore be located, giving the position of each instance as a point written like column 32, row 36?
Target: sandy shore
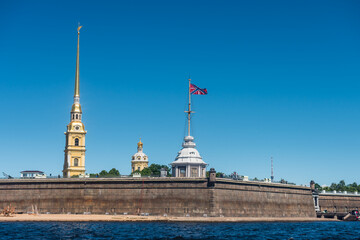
column 135, row 218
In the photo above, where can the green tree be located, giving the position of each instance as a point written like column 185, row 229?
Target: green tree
column 156, row 168
column 146, row 172
column 351, row 189
column 283, row 181
column 136, row 171
column 114, row 172
column 220, row 175
column 341, row 186
column 103, row 173
column 354, row 185
column 333, row 187
column 318, row 187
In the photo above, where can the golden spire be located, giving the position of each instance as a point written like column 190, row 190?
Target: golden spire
column 76, row 107
column 77, row 84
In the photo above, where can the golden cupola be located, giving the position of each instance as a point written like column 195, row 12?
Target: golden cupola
column 140, row 144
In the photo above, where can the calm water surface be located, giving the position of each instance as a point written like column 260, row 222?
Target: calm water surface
column 159, row 230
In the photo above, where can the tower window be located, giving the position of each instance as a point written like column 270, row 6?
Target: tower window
column 77, row 116
column 76, row 162
column 73, row 116
column 138, row 168
column 76, row 142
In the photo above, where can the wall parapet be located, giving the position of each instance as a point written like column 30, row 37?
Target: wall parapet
column 261, row 183
column 345, row 193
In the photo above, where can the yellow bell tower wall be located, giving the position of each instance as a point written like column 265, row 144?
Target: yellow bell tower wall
column 74, row 164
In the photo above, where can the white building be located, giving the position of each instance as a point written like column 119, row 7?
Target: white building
column 188, row 162
column 33, row 174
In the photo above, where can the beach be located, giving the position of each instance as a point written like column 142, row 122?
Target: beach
column 137, row 218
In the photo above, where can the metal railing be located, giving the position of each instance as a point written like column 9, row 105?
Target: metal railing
column 246, row 178
column 339, row 192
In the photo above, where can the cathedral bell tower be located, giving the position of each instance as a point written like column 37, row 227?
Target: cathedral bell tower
column 74, row 163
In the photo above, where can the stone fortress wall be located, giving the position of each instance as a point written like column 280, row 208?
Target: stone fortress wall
column 158, row 196
column 249, row 199
column 339, row 202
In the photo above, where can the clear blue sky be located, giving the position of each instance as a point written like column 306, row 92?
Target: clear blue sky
column 283, row 80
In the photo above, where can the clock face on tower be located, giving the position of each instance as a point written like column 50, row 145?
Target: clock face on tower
column 77, row 128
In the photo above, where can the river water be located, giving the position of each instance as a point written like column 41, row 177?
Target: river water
column 161, row 230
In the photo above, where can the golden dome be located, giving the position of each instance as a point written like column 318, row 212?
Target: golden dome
column 76, row 107
column 140, row 144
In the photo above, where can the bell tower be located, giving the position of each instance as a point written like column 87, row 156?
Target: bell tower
column 74, row 162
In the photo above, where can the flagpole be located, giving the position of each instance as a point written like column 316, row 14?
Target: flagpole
column 189, row 112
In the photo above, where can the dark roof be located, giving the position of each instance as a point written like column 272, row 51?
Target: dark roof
column 32, row 171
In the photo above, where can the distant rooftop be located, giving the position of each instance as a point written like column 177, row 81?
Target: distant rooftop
column 32, row 171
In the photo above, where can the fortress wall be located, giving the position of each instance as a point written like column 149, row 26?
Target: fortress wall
column 340, row 203
column 263, row 199
column 157, row 196
column 99, row 196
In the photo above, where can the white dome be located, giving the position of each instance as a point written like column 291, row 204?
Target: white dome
column 189, row 154
column 140, row 155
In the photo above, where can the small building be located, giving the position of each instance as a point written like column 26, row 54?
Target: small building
column 137, row 175
column 32, row 174
column 139, row 160
column 163, row 172
column 188, row 162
